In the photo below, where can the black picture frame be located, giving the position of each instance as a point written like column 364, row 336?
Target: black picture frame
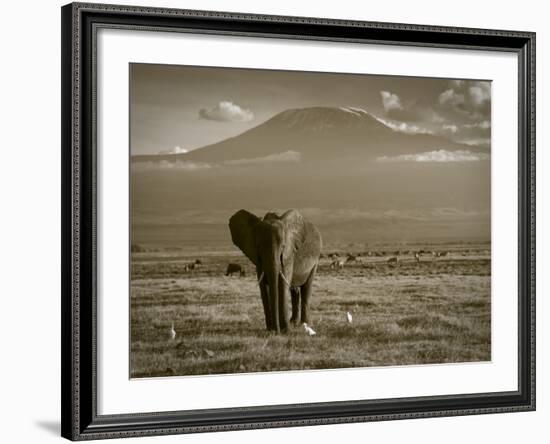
column 80, row 22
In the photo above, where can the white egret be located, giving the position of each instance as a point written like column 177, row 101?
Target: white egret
column 172, row 332
column 309, row 330
column 350, row 317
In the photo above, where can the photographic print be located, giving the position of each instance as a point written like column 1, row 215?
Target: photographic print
column 292, row 220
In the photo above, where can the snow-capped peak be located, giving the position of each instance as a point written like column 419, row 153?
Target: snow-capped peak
column 318, row 118
column 351, row 110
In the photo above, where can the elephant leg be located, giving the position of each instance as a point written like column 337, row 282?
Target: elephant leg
column 264, row 289
column 295, row 299
column 265, row 302
column 283, row 305
column 305, row 292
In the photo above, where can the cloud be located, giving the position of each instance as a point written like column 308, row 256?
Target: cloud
column 403, row 127
column 450, row 128
column 475, row 134
column 390, row 101
column 471, row 97
column 287, row 156
column 457, row 83
column 452, row 98
column 176, row 150
column 184, row 165
column 226, row 111
column 168, row 165
column 460, row 110
column 436, row 118
column 480, row 93
column 394, row 108
column 466, row 105
column 481, row 141
column 437, row 156
column 485, row 124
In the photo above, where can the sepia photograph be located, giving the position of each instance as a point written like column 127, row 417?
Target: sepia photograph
column 295, row 220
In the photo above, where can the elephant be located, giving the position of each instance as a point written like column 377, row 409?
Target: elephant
column 285, row 250
column 235, row 268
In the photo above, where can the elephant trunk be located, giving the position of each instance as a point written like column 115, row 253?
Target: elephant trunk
column 273, row 282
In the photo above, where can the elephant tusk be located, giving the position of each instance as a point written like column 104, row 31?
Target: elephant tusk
column 261, row 278
column 285, row 279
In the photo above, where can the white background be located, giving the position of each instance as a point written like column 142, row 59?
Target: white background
column 30, row 232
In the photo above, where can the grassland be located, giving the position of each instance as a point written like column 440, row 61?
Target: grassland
column 434, row 311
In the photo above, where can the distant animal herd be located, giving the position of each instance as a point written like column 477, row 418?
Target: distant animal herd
column 192, row 265
column 337, row 261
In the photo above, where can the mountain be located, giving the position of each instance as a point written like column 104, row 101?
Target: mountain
column 317, row 133
column 321, row 161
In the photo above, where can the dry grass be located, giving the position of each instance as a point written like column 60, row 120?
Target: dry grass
column 435, row 311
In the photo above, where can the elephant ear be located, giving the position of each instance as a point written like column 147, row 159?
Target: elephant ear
column 242, row 226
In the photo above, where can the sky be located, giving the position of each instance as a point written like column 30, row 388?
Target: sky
column 181, row 108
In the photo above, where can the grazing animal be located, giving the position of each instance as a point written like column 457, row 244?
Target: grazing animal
column 309, row 330
column 233, row 269
column 172, row 332
column 285, row 250
column 417, row 256
column 198, row 263
column 393, row 260
column 337, row 263
column 442, row 253
column 350, row 317
column 351, row 258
